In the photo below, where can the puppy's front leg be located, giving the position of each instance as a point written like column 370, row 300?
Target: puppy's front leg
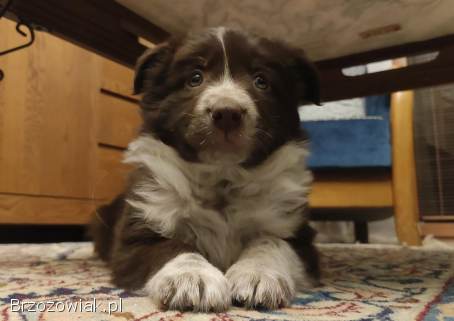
column 266, row 275
column 173, row 274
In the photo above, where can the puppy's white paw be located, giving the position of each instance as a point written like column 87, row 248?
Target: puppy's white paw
column 189, row 282
column 258, row 286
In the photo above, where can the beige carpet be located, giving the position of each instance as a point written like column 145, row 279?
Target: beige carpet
column 65, row 282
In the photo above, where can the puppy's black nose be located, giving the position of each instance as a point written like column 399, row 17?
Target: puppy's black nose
column 227, row 119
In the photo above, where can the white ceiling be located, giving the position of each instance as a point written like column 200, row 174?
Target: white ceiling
column 324, row 28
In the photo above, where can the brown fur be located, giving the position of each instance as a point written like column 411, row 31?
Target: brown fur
column 102, row 225
column 303, row 245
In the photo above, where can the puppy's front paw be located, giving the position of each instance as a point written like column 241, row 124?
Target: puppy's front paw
column 255, row 286
column 189, row 282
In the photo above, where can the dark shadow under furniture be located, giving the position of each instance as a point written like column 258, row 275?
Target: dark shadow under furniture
column 361, row 217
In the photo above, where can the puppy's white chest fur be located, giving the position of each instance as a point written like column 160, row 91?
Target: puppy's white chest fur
column 219, row 208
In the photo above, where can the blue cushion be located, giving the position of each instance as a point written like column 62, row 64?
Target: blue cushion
column 354, row 142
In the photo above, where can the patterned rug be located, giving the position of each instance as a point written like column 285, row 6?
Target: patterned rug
column 65, row 282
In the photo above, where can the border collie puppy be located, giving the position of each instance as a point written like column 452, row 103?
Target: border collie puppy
column 214, row 212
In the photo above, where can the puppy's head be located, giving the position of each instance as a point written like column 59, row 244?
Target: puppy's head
column 223, row 96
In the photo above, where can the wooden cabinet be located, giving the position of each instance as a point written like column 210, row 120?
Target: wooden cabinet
column 65, row 116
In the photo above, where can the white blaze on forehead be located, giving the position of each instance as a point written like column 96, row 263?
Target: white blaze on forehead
column 220, row 32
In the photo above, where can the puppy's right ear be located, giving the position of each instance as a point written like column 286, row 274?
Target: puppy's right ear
column 150, row 67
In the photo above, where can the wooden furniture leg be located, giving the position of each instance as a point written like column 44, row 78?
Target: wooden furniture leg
column 361, row 231
column 406, row 211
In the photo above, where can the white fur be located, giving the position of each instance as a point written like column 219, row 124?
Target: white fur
column 189, row 281
column 267, row 273
column 220, row 32
column 261, row 200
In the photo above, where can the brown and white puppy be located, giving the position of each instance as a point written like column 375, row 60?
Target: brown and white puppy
column 214, row 212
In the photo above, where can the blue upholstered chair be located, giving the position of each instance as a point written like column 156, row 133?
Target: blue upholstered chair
column 363, row 171
column 352, row 143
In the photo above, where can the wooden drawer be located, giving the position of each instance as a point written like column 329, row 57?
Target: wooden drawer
column 118, row 121
column 118, row 112
column 26, row 209
column 121, row 76
column 111, row 174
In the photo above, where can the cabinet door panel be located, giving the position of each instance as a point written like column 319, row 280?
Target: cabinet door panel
column 47, row 111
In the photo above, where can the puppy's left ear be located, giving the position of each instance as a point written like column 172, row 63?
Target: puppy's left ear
column 308, row 80
column 150, row 66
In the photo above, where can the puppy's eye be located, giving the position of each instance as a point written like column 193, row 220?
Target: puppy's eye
column 196, row 79
column 260, row 82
